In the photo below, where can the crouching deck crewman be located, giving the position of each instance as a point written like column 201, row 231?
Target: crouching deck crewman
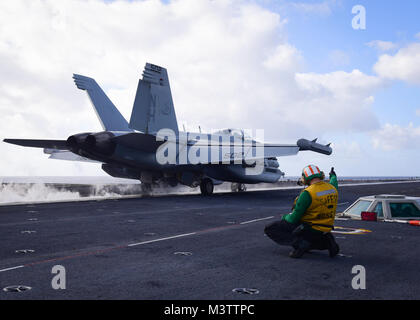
column 309, row 225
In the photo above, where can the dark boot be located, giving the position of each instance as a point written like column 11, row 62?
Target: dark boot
column 333, row 247
column 299, row 248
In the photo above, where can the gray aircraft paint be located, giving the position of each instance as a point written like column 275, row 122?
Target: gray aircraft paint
column 109, row 116
column 130, row 150
column 153, row 107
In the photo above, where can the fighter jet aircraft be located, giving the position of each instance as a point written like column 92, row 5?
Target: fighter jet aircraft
column 150, row 148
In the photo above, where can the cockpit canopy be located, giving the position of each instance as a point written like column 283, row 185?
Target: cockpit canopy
column 234, row 132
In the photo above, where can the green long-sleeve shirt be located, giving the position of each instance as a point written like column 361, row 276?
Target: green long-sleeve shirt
column 303, row 203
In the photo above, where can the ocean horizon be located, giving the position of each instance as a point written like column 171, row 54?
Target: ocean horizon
column 112, row 180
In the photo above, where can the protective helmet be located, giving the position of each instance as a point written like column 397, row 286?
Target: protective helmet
column 310, row 172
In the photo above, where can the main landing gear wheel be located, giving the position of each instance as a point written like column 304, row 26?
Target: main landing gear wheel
column 238, row 187
column 146, row 188
column 206, row 187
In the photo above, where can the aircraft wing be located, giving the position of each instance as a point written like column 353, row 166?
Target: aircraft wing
column 148, row 143
column 202, row 151
column 270, row 151
column 57, row 149
column 205, row 153
column 238, row 152
column 277, row 150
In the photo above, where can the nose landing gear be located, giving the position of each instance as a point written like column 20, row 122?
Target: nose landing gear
column 238, row 187
column 146, row 188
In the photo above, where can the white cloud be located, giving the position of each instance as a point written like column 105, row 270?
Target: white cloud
column 338, row 99
column 338, row 82
column 229, row 63
column 339, row 58
column 395, row 137
column 347, row 149
column 284, row 58
column 404, row 65
column 382, row 45
column 323, row 8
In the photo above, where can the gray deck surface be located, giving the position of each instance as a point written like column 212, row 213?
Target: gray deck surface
column 125, row 249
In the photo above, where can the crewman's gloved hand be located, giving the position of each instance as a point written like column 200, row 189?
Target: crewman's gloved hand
column 332, row 172
column 300, row 182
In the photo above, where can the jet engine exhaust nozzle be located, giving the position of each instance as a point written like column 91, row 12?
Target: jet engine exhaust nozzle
column 92, row 143
column 100, row 143
column 75, row 142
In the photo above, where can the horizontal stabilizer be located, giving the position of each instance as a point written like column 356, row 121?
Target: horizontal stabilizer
column 109, row 116
column 48, row 144
column 67, row 155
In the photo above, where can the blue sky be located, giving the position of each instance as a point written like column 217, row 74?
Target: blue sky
column 318, row 34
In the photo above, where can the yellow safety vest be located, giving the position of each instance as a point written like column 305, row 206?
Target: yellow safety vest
column 323, row 207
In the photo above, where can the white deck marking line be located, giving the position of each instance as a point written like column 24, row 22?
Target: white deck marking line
column 256, row 220
column 12, row 268
column 162, row 239
column 342, row 204
column 137, row 244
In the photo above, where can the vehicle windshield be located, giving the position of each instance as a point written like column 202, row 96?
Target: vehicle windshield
column 404, row 210
column 359, row 207
column 379, row 210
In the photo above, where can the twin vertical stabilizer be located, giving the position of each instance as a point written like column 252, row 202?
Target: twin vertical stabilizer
column 153, row 106
column 109, row 116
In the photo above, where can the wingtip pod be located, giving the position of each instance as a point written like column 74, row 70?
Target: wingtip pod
column 306, row 145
